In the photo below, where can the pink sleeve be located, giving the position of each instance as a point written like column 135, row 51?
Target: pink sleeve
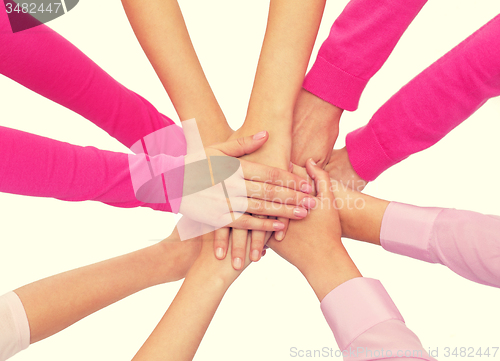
column 367, row 324
column 14, row 326
column 37, row 166
column 466, row 242
column 360, row 41
column 43, row 61
column 430, row 105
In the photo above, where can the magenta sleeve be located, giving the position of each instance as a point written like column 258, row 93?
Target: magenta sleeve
column 430, row 105
column 37, row 166
column 45, row 62
column 367, row 324
column 360, row 41
column 466, row 242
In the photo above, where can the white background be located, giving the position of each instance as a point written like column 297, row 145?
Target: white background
column 271, row 307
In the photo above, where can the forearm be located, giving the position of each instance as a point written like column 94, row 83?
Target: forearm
column 54, row 303
column 291, row 31
column 162, row 33
column 183, row 326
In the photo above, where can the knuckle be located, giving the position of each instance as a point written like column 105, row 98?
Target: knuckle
column 269, row 191
column 274, row 175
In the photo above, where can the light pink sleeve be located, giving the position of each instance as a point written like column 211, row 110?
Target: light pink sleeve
column 466, row 242
column 14, row 326
column 430, row 105
column 360, row 41
column 367, row 324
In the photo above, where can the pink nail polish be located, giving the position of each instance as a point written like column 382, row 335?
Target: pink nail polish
column 312, row 161
column 259, row 135
column 278, row 225
column 306, row 188
column 219, row 253
column 309, row 202
column 255, row 255
column 237, row 263
column 279, row 236
column 300, row 212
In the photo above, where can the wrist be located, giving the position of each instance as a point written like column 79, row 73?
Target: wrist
column 330, row 271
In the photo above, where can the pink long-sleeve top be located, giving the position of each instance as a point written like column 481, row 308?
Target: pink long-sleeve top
column 423, row 111
column 43, row 61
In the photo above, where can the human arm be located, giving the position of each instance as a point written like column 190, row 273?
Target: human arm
column 359, row 311
column 160, row 28
column 45, row 307
column 430, row 105
column 180, row 331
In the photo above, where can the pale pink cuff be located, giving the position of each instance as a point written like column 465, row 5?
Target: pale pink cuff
column 406, row 230
column 356, row 306
column 14, row 326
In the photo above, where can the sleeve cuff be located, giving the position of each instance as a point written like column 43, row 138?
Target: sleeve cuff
column 406, row 230
column 355, row 306
column 14, row 328
column 366, row 154
column 334, row 85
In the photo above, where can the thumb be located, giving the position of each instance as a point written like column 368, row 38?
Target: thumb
column 321, row 180
column 245, row 145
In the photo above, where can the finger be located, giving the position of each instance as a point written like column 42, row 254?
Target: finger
column 265, row 208
column 221, row 242
column 265, row 174
column 248, row 222
column 321, row 180
column 245, row 145
column 280, row 235
column 238, row 248
column 300, row 171
column 257, row 246
column 278, row 194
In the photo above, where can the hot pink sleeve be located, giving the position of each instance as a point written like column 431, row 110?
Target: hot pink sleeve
column 466, row 242
column 367, row 324
column 45, row 62
column 360, row 41
column 430, row 105
column 37, row 166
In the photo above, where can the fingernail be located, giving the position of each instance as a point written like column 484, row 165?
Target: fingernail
column 263, row 253
column 279, row 236
column 309, row 202
column 290, row 167
column 278, row 225
column 300, row 212
column 259, row 135
column 219, row 253
column 255, row 255
column 237, row 263
column 312, row 161
column 306, row 188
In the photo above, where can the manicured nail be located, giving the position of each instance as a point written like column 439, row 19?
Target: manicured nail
column 300, row 212
column 255, row 255
column 278, row 225
column 263, row 253
column 312, row 161
column 219, row 253
column 306, row 188
column 279, row 235
column 259, row 135
column 237, row 263
column 309, row 202
column 290, row 167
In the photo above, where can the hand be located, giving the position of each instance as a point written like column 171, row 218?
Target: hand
column 251, row 188
column 339, row 167
column 313, row 245
column 315, row 129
